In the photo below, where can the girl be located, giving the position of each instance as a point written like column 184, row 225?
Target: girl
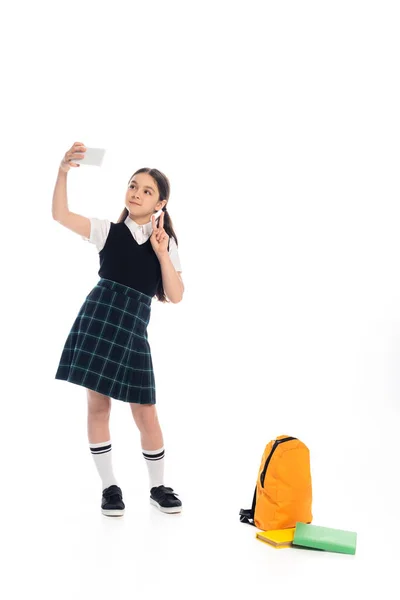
column 107, row 349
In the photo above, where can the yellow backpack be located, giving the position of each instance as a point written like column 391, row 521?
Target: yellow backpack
column 283, row 493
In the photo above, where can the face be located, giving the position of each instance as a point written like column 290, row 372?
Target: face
column 142, row 198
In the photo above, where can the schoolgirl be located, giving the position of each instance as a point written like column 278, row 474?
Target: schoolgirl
column 107, row 349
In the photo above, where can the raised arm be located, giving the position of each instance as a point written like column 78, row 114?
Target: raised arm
column 60, row 210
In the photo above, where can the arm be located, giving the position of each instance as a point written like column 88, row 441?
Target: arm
column 60, row 202
column 61, row 212
column 172, row 281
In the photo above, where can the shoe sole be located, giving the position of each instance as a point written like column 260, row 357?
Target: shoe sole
column 171, row 509
column 113, row 513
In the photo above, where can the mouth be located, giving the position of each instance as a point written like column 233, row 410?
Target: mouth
column 131, row 202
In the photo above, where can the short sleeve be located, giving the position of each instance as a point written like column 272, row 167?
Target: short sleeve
column 173, row 254
column 99, row 230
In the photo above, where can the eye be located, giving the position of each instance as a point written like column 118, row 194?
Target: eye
column 133, row 185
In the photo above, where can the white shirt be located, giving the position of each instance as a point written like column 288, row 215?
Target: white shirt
column 100, row 228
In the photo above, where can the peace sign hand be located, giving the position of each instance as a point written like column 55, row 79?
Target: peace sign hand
column 159, row 238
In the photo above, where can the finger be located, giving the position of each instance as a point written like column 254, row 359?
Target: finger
column 155, row 228
column 71, row 155
column 77, row 146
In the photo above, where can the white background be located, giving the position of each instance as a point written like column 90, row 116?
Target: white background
column 277, row 124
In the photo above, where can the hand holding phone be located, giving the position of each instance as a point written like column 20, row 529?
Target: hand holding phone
column 72, row 155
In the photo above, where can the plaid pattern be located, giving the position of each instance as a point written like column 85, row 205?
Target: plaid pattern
column 107, row 349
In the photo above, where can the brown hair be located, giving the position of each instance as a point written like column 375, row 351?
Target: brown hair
column 164, row 187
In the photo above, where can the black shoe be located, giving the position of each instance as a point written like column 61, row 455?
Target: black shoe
column 112, row 504
column 165, row 499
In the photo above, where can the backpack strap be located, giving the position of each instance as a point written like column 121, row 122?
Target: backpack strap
column 247, row 515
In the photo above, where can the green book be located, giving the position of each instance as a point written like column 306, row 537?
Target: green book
column 325, row 538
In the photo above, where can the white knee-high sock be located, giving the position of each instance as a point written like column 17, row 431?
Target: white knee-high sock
column 102, row 456
column 155, row 465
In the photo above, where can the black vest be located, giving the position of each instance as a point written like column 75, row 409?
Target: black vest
column 123, row 260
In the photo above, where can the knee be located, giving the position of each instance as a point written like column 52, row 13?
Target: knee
column 146, row 418
column 99, row 406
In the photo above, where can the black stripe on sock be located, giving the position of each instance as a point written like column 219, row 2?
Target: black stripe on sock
column 101, row 449
column 158, row 456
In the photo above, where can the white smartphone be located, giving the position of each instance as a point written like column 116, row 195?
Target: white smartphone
column 93, row 156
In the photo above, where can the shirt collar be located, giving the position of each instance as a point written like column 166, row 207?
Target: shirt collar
column 133, row 226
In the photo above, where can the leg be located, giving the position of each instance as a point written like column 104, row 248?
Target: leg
column 146, row 419
column 99, row 408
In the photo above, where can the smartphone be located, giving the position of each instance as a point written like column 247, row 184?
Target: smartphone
column 93, row 156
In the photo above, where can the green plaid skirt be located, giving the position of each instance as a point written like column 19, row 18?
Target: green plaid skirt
column 107, row 349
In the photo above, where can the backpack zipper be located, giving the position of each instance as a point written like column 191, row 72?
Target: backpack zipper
column 274, row 447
